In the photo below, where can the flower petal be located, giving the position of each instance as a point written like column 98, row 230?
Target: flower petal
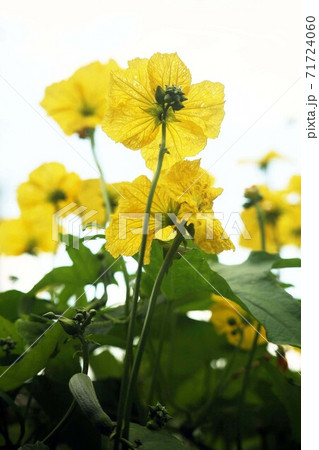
column 182, row 139
column 168, row 69
column 188, row 183
column 205, row 107
column 209, row 233
column 127, row 118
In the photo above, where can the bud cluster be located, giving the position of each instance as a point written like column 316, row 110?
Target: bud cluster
column 77, row 325
column 7, row 344
column 158, row 417
column 172, row 97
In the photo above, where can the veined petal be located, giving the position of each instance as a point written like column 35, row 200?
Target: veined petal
column 131, row 86
column 205, row 107
column 124, row 235
column 182, row 139
column 168, row 69
column 129, row 101
column 132, row 126
column 187, row 182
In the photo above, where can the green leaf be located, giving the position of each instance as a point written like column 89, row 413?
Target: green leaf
column 289, row 394
column 287, row 263
column 105, row 365
column 8, row 329
column 32, row 362
column 87, row 269
column 183, row 282
column 256, row 288
column 154, row 440
column 9, row 304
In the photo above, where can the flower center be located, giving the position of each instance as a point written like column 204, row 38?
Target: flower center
column 87, row 111
column 56, row 195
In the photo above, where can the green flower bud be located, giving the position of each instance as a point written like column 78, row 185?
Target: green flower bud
column 160, row 95
column 69, row 326
column 158, row 417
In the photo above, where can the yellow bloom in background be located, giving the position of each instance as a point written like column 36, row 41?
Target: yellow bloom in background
column 294, row 185
column 289, row 225
column 282, row 218
column 124, row 233
column 238, row 326
column 31, row 233
column 91, row 197
column 264, row 162
column 135, row 111
column 273, row 207
column 78, row 103
column 49, row 184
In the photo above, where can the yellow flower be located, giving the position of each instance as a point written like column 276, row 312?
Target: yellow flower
column 78, row 103
column 49, row 184
column 169, row 208
column 91, row 197
column 135, row 108
column 238, row 326
column 31, row 233
column 294, row 185
column 282, row 218
column 264, row 162
column 273, row 206
column 289, row 226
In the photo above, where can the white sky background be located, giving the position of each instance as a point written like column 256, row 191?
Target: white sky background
column 251, row 46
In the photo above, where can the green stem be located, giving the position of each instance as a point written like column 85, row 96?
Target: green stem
column 128, row 444
column 105, row 195
column 146, row 329
column 85, row 368
column 244, row 387
column 261, row 223
column 127, row 285
column 131, row 325
column 85, row 354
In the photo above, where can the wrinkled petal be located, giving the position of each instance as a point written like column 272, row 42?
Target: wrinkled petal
column 209, row 233
column 187, row 182
column 205, row 107
column 131, row 126
column 182, row 139
column 127, row 118
column 168, row 69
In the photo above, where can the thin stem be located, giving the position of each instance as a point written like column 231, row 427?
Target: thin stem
column 128, row 443
column 127, row 285
column 261, row 223
column 85, row 368
column 85, row 354
column 146, row 329
column 106, row 198
column 131, row 326
column 245, row 386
